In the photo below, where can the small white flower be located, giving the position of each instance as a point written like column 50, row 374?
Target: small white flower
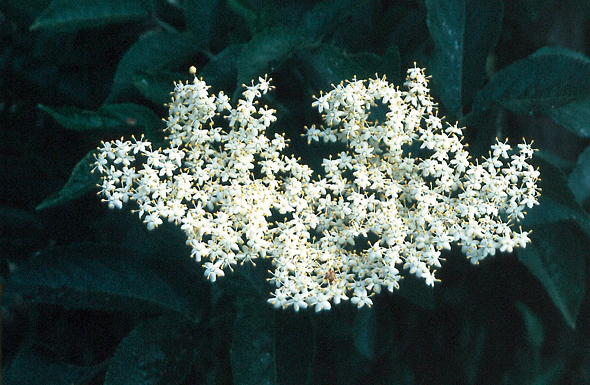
column 361, row 297
column 321, row 103
column 212, row 270
column 320, row 301
column 152, row 220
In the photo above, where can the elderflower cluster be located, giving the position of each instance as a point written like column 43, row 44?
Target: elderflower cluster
column 403, row 192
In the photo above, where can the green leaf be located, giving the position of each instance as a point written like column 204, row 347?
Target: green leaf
column 157, row 86
column 556, row 257
column 221, row 73
column 363, row 332
column 557, row 202
column 258, row 14
column 198, row 15
column 533, row 324
column 532, row 10
column 413, row 289
column 246, row 11
column 72, row 15
column 107, row 117
column 74, row 118
column 327, row 64
column 252, row 351
column 81, row 181
column 266, row 52
column 546, row 80
column 249, row 281
column 154, row 51
column 33, row 367
column 579, row 178
column 464, row 33
column 325, row 17
column 296, row 346
column 102, row 277
column 388, row 64
column 575, row 116
column 560, row 242
column 32, row 7
column 158, row 351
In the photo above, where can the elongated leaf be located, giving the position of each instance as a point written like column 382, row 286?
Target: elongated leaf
column 110, row 116
column 364, row 332
column 221, row 73
column 247, row 11
column 81, row 181
column 557, row 202
column 101, row 277
column 534, row 325
column 575, row 116
column 415, row 291
column 265, row 52
column 249, row 281
column 579, row 179
column 154, row 51
column 253, row 345
column 107, row 117
column 75, row 118
column 546, row 80
column 328, row 65
column 72, row 15
column 325, row 17
column 295, row 346
column 560, row 242
column 158, row 351
column 557, row 258
column 464, row 33
column 258, row 15
column 33, row 367
column 198, row 15
column 157, row 86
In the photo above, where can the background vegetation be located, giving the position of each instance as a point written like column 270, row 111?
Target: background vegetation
column 91, row 297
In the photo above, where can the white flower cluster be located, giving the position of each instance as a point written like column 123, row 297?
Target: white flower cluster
column 346, row 232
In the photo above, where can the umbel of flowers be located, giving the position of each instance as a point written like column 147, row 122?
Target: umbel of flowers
column 404, row 191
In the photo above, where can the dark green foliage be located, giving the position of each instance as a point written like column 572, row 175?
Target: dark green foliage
column 90, row 276
column 154, row 51
column 328, row 65
column 464, row 33
column 579, row 178
column 72, row 15
column 76, row 72
column 549, row 79
column 561, row 234
column 158, row 351
column 556, row 258
column 327, row 16
column 199, row 17
column 81, row 182
column 252, row 351
column 107, row 117
column 264, row 53
column 32, row 366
